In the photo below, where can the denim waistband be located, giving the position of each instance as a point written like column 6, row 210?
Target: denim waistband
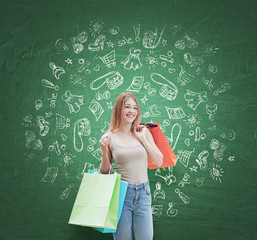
column 138, row 186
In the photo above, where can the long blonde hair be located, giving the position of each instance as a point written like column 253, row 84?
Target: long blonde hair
column 118, row 107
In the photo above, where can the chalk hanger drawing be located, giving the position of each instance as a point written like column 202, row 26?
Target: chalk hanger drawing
column 168, row 91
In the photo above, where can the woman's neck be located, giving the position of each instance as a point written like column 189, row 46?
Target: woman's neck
column 125, row 129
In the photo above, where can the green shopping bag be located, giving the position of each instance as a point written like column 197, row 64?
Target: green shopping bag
column 97, row 201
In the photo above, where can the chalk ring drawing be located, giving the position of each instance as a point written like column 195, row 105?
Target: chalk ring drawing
column 112, row 79
column 168, row 91
column 81, row 128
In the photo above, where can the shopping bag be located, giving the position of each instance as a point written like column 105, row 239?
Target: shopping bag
column 97, row 201
column 123, row 191
column 169, row 158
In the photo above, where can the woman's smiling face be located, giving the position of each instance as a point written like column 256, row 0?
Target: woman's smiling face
column 129, row 112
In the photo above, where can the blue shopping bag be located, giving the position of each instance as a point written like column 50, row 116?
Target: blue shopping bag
column 123, row 191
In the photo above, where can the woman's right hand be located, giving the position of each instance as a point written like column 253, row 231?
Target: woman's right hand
column 104, row 142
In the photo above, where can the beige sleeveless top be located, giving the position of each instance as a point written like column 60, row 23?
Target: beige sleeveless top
column 130, row 162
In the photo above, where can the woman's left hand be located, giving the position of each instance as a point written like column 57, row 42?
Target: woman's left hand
column 140, row 132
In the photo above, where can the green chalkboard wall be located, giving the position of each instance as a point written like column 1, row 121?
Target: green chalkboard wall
column 193, row 67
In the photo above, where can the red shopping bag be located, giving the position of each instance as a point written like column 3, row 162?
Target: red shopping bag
column 169, row 158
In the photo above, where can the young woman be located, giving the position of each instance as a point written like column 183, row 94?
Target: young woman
column 128, row 144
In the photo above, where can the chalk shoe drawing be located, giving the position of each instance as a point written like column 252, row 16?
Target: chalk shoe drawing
column 132, row 61
column 98, row 44
column 32, row 142
column 81, row 128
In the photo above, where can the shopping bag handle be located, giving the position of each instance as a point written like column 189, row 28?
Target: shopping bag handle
column 149, row 125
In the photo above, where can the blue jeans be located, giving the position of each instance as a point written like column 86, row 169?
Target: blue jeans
column 136, row 216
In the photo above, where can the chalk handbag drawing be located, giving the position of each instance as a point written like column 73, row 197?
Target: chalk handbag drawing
column 97, row 201
column 169, row 158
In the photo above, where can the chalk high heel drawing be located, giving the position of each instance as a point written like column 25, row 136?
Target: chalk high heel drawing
column 98, row 44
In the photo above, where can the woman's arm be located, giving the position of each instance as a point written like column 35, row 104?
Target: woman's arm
column 146, row 138
column 106, row 154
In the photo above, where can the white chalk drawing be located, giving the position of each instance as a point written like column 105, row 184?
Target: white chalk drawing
column 68, row 61
column 152, row 60
column 112, row 79
column 48, row 84
column 66, row 159
column 185, row 180
column 29, row 156
column 64, row 137
column 223, row 88
column 132, row 61
column 231, row 158
column 192, row 120
column 136, row 84
column 90, row 148
column 158, row 193
column 208, row 83
column 168, row 91
column 209, row 50
column 144, row 99
column 199, row 182
column 212, row 68
column 184, row 156
column 166, row 174
column 151, row 40
column 164, row 42
column 194, row 99
column 193, row 169
column 202, row 160
column 97, row 154
column 175, row 28
column 125, row 41
column 110, row 44
column 45, row 159
column 98, row 44
column 27, row 120
column 106, row 95
column 66, row 192
column 96, row 108
column 137, row 29
column 186, row 42
column 211, row 111
column 175, row 113
column 43, row 125
column 83, row 65
column 56, row 147
column 50, row 175
column 147, row 85
column 97, row 67
column 171, row 140
column 193, row 61
column 152, row 112
column 73, row 101
column 81, row 129
column 182, row 196
column 187, row 142
column 95, row 27
column 92, row 140
column 53, row 100
column 229, row 135
column 57, row 71
column 197, row 134
column 87, row 71
column 109, row 104
column 151, row 91
column 115, row 30
column 171, row 212
column 78, row 80
column 61, row 46
column 157, row 211
column 106, row 126
column 218, row 148
column 184, row 77
column 32, row 142
column 38, row 104
column 62, row 122
column 216, row 172
column 171, row 70
column 48, row 114
column 86, row 167
column 167, row 58
column 109, row 59
column 77, row 42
